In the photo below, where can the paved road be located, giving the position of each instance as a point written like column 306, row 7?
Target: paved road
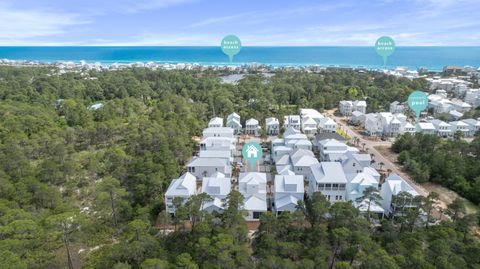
column 378, row 157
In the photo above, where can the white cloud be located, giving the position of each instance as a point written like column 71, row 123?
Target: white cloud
column 20, row 24
column 134, row 6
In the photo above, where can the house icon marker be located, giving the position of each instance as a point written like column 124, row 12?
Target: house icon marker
column 252, row 152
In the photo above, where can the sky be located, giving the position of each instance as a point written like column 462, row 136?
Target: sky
column 255, row 22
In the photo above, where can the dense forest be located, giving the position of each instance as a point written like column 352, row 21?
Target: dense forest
column 83, row 187
column 454, row 164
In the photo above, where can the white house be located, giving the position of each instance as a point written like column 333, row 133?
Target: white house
column 357, row 184
column 473, row 126
column 461, row 106
column 357, row 118
column 272, row 126
column 218, row 132
column 183, row 187
column 373, row 126
column 392, row 186
column 218, row 188
column 215, row 122
column 253, row 187
column 347, row 107
column 312, row 114
column 222, row 154
column 291, row 131
column 360, row 106
column 455, row 115
column 397, row 107
column 426, row 128
column 252, row 127
column 233, row 121
column 215, row 143
column 472, row 96
column 409, row 128
column 302, row 161
column 460, row 126
column 289, row 189
column 204, row 167
column 327, row 125
column 442, row 128
column 329, row 179
column 332, row 150
column 353, row 163
column 292, row 121
column 279, row 151
column 309, row 126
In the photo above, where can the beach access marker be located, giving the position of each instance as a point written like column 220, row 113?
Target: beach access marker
column 252, row 152
column 231, row 46
column 385, row 46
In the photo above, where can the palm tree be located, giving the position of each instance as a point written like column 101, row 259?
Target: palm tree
column 363, row 145
column 381, row 165
column 371, row 195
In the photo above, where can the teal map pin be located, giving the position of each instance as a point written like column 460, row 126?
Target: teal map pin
column 418, row 101
column 231, row 46
column 252, row 152
column 385, row 46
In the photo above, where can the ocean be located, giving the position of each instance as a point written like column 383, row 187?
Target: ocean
column 433, row 58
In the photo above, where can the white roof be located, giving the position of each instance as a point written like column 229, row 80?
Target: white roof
column 233, row 115
column 291, row 131
column 216, row 185
column 311, row 113
column 332, row 143
column 269, row 121
column 284, row 201
column 216, row 120
column 441, row 123
column 357, row 113
column 396, row 184
column 409, row 126
column 472, row 122
column 456, row 113
column 215, row 154
column 297, row 136
column 309, row 121
column 426, row 126
column 360, row 103
column 328, row 172
column 255, row 203
column 458, row 123
column 253, row 177
column 304, row 160
column 251, row 121
column 208, row 162
column 218, row 130
column 374, row 207
column 183, row 186
column 282, row 182
column 329, row 121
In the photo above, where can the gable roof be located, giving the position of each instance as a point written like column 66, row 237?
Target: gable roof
column 185, row 185
column 328, row 172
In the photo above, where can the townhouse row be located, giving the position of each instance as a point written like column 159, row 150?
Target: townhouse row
column 309, row 121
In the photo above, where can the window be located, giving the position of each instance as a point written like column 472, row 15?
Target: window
column 321, row 186
column 191, row 169
column 335, row 187
column 341, row 187
column 354, row 164
column 328, row 187
column 256, row 215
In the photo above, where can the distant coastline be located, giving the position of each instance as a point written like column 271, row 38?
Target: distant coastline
column 413, row 58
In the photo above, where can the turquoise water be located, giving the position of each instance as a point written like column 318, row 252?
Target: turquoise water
column 433, row 58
